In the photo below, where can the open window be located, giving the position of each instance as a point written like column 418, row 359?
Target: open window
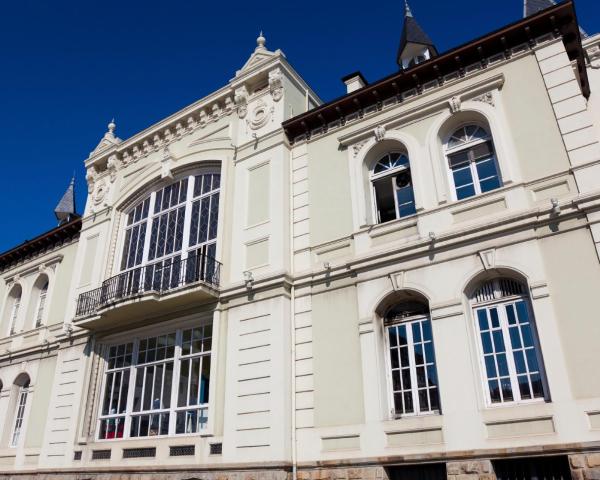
column 393, row 187
column 472, row 161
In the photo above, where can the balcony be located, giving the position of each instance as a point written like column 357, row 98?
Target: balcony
column 150, row 290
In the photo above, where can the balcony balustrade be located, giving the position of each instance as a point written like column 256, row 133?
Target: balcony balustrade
column 153, row 280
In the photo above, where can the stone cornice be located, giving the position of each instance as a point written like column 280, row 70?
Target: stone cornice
column 205, row 111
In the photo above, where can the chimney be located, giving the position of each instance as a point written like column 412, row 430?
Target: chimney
column 354, row 81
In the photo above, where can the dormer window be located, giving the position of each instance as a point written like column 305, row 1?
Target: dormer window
column 392, row 187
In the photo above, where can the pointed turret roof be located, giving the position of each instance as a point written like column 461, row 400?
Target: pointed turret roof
column 413, row 34
column 65, row 210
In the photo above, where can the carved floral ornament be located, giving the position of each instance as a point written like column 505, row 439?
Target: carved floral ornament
column 241, row 101
column 455, row 103
column 260, row 116
column 379, row 133
column 276, row 84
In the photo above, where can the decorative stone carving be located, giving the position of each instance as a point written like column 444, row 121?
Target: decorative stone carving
column 146, row 147
column 455, row 104
column 241, row 101
column 229, row 105
column 168, row 135
column 488, row 258
column 203, row 119
column 486, row 97
column 100, row 192
column 357, row 147
column 136, row 153
column 112, row 165
column 191, row 123
column 179, row 130
column 90, row 177
column 166, row 163
column 260, row 115
column 216, row 111
column 156, row 142
column 379, row 133
column 126, row 159
column 276, row 84
column 594, row 55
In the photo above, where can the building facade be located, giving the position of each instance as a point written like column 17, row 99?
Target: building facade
column 396, row 284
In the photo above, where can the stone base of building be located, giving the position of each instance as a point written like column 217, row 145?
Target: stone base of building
column 580, row 466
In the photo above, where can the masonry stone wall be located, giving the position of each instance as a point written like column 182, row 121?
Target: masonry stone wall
column 585, row 466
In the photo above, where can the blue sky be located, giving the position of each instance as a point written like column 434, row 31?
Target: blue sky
column 69, row 66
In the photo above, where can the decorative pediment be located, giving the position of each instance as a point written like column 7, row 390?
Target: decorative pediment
column 259, row 55
column 108, row 140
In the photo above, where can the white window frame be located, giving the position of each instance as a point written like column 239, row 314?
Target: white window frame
column 173, row 408
column 473, row 169
column 14, row 314
column 499, row 303
column 186, row 249
column 19, row 421
column 391, row 174
column 413, row 371
column 41, row 304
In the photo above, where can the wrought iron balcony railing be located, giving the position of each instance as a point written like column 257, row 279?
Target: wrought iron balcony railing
column 159, row 277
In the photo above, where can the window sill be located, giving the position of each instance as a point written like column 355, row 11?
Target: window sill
column 381, row 229
column 513, row 410
column 411, row 422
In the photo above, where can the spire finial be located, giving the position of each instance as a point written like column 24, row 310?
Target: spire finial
column 407, row 11
column 260, row 41
column 112, row 126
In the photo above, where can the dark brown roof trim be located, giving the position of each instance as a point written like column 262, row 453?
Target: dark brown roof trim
column 560, row 20
column 42, row 243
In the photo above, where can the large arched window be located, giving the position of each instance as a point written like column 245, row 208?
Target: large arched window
column 510, row 354
column 393, row 188
column 14, row 307
column 172, row 224
column 411, row 359
column 472, row 161
column 22, row 384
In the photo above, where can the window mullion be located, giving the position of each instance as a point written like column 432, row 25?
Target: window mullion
column 395, row 193
column 412, row 369
column 149, row 220
column 512, row 371
column 131, row 391
column 175, row 385
column 187, row 217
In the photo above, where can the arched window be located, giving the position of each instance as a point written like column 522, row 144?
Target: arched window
column 15, row 307
column 155, row 233
column 472, row 161
column 392, row 185
column 411, row 359
column 41, row 303
column 510, row 353
column 22, row 383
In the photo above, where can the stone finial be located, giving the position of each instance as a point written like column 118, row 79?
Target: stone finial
column 261, row 41
column 407, row 11
column 111, row 127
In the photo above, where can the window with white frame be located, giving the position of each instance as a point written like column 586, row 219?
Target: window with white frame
column 15, row 308
column 174, row 223
column 393, row 187
column 22, row 394
column 411, row 360
column 39, row 312
column 157, row 386
column 472, row 161
column 510, row 353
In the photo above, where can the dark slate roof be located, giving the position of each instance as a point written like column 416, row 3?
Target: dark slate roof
column 66, row 207
column 534, row 6
column 558, row 20
column 413, row 33
column 30, row 248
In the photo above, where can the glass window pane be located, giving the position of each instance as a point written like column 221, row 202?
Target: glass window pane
column 489, row 184
column 384, row 197
column 462, row 176
column 465, row 192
